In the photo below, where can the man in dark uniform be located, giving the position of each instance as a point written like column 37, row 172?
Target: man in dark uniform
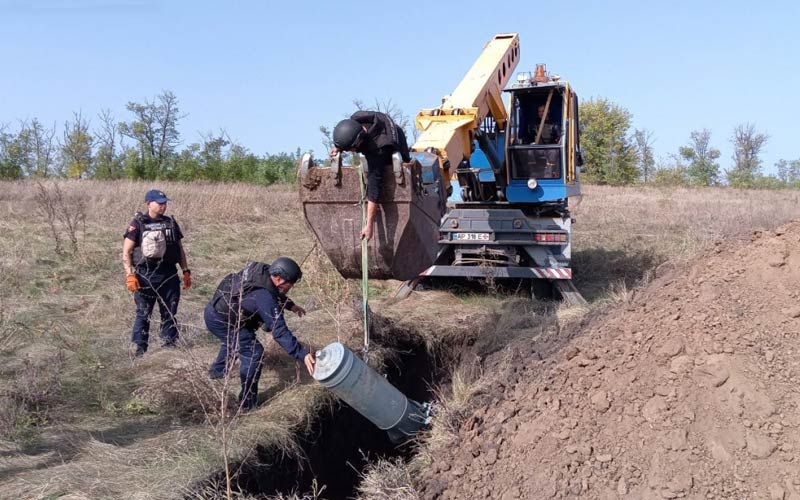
column 551, row 131
column 243, row 302
column 377, row 137
column 151, row 248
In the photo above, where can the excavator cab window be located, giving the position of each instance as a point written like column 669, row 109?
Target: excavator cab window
column 536, row 163
column 537, row 134
column 537, row 118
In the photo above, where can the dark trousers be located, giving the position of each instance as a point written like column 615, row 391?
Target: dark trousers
column 236, row 342
column 164, row 291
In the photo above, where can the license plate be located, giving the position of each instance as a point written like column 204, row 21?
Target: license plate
column 471, row 236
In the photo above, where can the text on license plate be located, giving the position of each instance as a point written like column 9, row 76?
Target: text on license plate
column 471, row 236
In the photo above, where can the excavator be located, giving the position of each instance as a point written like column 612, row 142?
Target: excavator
column 486, row 195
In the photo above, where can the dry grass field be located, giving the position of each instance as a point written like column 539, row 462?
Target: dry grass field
column 81, row 419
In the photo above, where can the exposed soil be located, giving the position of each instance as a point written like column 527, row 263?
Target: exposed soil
column 687, row 390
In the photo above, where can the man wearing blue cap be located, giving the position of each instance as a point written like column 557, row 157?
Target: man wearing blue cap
column 150, row 249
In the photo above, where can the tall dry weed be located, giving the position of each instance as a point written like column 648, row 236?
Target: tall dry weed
column 31, row 396
column 452, row 405
column 338, row 298
column 387, row 480
column 622, row 233
column 8, row 329
column 64, row 214
column 675, row 222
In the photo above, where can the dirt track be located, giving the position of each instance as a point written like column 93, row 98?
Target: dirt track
column 687, row 390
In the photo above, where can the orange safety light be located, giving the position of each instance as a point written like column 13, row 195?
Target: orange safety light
column 540, row 75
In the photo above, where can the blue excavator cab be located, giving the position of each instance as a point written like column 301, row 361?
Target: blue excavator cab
column 520, row 164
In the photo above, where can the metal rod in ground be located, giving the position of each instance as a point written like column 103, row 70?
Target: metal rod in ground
column 364, row 267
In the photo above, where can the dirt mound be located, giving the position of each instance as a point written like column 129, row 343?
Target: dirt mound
column 688, row 390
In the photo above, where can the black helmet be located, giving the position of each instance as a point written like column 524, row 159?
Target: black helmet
column 348, row 134
column 286, row 268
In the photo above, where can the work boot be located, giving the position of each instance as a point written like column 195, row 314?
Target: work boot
column 249, row 404
column 170, row 344
column 139, row 352
column 215, row 375
column 248, row 400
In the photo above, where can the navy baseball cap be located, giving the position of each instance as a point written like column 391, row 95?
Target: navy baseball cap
column 155, row 195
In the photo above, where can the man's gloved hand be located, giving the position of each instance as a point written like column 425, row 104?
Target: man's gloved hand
column 132, row 282
column 187, row 279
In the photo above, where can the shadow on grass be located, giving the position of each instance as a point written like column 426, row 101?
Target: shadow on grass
column 594, row 270
column 66, row 444
column 128, row 432
column 468, row 288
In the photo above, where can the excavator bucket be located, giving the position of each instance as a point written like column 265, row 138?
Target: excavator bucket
column 406, row 232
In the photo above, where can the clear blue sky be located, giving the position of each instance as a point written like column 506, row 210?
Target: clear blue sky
column 271, row 73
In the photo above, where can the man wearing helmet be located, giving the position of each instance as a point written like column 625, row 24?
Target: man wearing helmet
column 244, row 301
column 377, row 137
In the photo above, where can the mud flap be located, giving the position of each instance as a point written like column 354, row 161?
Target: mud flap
column 405, row 288
column 569, row 293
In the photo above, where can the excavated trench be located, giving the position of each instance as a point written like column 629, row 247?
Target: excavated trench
column 341, row 443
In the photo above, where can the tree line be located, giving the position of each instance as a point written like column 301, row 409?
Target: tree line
column 616, row 155
column 146, row 146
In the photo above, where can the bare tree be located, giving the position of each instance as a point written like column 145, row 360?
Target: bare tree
column 167, row 118
column 108, row 164
column 43, row 146
column 155, row 130
column 327, row 137
column 36, row 148
column 644, row 153
column 788, row 172
column 395, row 113
column 747, row 144
column 76, row 148
column 10, row 164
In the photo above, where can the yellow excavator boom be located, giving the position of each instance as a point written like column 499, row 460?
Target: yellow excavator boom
column 447, row 129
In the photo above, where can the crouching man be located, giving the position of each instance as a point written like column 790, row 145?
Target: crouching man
column 244, row 301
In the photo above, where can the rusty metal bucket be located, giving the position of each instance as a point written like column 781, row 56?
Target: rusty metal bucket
column 406, row 232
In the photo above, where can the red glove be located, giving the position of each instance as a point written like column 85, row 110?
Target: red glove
column 187, row 279
column 132, row 282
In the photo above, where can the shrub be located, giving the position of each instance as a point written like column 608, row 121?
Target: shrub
column 31, row 395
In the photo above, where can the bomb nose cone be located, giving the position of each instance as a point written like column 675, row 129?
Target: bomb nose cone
column 329, row 361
